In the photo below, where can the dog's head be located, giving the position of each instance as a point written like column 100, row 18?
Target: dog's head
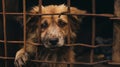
column 54, row 29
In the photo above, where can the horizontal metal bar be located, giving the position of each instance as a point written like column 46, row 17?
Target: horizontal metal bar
column 78, row 44
column 39, row 61
column 12, row 41
column 90, row 46
column 7, row 58
column 103, row 15
column 116, row 18
column 114, row 63
column 12, row 13
column 67, row 45
column 84, row 63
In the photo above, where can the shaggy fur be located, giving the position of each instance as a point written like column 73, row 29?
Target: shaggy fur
column 51, row 31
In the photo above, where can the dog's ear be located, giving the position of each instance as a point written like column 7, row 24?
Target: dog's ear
column 35, row 10
column 76, row 19
column 76, row 11
column 31, row 22
column 20, row 19
column 31, row 17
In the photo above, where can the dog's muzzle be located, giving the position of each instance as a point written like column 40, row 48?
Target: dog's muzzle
column 53, row 41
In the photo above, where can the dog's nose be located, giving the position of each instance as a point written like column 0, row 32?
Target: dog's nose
column 53, row 41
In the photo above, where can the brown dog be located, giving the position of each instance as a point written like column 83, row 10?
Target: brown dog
column 53, row 35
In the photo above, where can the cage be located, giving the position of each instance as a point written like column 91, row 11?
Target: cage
column 98, row 38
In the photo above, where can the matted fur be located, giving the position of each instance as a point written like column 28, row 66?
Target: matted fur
column 53, row 35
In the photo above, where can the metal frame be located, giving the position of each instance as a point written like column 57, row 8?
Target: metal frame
column 5, row 41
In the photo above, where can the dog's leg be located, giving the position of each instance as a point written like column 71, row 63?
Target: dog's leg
column 70, row 56
column 23, row 55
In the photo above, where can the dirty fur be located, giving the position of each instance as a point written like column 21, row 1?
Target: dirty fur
column 52, row 35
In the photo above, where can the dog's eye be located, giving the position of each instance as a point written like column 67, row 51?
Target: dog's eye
column 44, row 25
column 61, row 23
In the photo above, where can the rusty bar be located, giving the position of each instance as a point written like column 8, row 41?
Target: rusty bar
column 24, row 23
column 117, row 8
column 113, row 63
column 38, row 61
column 116, row 31
column 96, row 15
column 116, row 18
column 116, row 38
column 69, row 34
column 68, row 4
column 68, row 10
column 75, row 44
column 40, row 12
column 4, row 28
column 12, row 41
column 93, row 31
column 39, row 27
column 11, row 13
column 7, row 58
column 40, row 6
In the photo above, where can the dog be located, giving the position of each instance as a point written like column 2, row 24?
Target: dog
column 51, row 31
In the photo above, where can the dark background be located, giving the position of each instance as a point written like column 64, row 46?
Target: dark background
column 104, row 26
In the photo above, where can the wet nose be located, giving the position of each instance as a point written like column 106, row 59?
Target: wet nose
column 53, row 41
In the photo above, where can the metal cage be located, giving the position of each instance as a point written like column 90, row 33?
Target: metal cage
column 11, row 8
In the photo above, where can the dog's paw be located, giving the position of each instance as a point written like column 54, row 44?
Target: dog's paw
column 21, row 58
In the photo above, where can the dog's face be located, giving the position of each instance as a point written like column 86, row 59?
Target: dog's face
column 53, row 29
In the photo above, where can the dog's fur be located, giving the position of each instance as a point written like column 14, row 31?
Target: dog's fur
column 52, row 34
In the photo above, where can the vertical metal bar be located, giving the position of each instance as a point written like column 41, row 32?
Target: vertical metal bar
column 24, row 23
column 69, row 34
column 4, row 27
column 40, row 12
column 40, row 6
column 93, row 31
column 68, row 4
column 116, row 33
column 39, row 35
